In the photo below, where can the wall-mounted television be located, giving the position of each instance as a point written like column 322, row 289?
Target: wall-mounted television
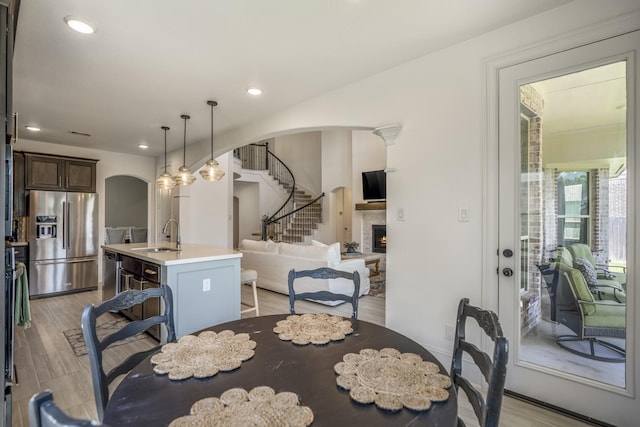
column 374, row 185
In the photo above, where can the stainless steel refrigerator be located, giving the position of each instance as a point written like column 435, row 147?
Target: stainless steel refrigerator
column 63, row 242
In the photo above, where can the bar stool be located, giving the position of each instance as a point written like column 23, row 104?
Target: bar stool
column 250, row 277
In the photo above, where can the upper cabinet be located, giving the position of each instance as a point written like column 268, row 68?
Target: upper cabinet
column 59, row 173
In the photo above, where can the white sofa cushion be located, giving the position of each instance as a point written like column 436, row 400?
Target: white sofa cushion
column 273, row 267
column 268, row 246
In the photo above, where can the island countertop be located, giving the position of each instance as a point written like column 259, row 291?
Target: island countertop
column 188, row 254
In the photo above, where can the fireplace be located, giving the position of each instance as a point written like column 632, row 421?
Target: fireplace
column 379, row 238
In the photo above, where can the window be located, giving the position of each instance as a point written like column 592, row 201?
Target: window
column 573, row 208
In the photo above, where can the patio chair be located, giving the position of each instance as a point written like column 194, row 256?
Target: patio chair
column 551, row 274
column 604, row 289
column 580, row 250
column 325, row 273
column 97, row 346
column 493, row 369
column 590, row 320
column 43, row 412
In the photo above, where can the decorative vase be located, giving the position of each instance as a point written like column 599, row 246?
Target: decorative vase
column 351, row 250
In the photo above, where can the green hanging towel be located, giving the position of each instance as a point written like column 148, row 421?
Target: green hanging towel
column 23, row 311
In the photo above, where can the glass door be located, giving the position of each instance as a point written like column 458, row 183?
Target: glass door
column 565, row 213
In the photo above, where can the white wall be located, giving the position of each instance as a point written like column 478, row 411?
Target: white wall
column 336, row 173
column 302, row 153
column 206, row 208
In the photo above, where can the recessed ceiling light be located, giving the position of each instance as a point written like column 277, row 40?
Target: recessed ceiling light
column 33, row 128
column 143, row 146
column 79, row 26
column 254, row 91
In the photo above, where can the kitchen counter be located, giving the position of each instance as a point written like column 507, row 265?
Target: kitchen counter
column 189, row 252
column 204, row 280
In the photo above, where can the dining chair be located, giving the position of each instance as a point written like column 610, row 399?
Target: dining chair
column 43, row 412
column 324, row 273
column 493, row 369
column 137, row 235
column 114, row 235
column 96, row 346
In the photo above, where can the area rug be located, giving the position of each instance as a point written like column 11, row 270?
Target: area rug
column 76, row 340
column 377, row 285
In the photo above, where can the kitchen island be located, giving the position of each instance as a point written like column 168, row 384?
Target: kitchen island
column 205, row 280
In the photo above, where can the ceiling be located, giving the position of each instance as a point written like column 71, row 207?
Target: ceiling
column 149, row 61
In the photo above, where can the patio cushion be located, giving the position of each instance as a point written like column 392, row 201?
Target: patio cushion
column 587, row 270
column 563, row 256
column 580, row 288
column 609, row 316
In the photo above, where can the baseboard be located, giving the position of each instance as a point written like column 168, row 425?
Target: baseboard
column 556, row 409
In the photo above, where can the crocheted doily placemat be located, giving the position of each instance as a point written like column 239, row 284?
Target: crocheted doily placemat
column 236, row 407
column 392, row 380
column 204, row 355
column 313, row 328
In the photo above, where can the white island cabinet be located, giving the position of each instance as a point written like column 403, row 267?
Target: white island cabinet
column 205, row 281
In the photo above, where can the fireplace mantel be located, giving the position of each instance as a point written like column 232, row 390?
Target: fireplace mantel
column 374, row 206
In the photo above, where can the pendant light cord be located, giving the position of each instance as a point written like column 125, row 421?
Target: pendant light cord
column 184, row 144
column 213, row 104
column 165, row 148
column 212, row 131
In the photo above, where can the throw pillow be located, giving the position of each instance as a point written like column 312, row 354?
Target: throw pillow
column 587, row 270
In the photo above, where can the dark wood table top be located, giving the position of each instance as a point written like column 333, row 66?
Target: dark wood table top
column 146, row 399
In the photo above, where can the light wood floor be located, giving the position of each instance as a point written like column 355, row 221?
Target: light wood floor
column 44, row 359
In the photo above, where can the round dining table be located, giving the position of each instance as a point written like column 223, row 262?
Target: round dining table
column 145, row 398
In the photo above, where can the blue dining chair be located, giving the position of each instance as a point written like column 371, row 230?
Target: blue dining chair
column 324, row 273
column 97, row 345
column 43, row 412
column 493, row 368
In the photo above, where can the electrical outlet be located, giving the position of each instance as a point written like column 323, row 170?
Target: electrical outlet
column 206, row 285
column 449, row 331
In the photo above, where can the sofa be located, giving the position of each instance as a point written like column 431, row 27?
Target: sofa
column 273, row 261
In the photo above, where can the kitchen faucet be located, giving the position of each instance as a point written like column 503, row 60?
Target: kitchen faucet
column 166, row 227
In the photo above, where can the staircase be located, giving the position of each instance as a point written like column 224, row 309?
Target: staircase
column 300, row 214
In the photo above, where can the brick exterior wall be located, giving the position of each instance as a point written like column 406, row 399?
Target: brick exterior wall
column 532, row 203
column 600, row 220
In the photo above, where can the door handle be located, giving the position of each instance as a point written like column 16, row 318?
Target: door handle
column 507, row 272
column 508, row 253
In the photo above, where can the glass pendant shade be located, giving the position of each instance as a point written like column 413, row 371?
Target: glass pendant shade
column 184, row 176
column 211, row 171
column 165, row 180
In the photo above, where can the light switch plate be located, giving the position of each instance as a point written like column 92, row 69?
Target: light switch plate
column 463, row 214
column 206, row 285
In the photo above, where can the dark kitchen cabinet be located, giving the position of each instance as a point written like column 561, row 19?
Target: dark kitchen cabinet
column 19, row 193
column 60, row 173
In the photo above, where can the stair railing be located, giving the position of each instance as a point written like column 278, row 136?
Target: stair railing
column 291, row 226
column 288, row 220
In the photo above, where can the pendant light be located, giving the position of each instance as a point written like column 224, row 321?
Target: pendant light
column 184, row 176
column 211, row 171
column 165, row 180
